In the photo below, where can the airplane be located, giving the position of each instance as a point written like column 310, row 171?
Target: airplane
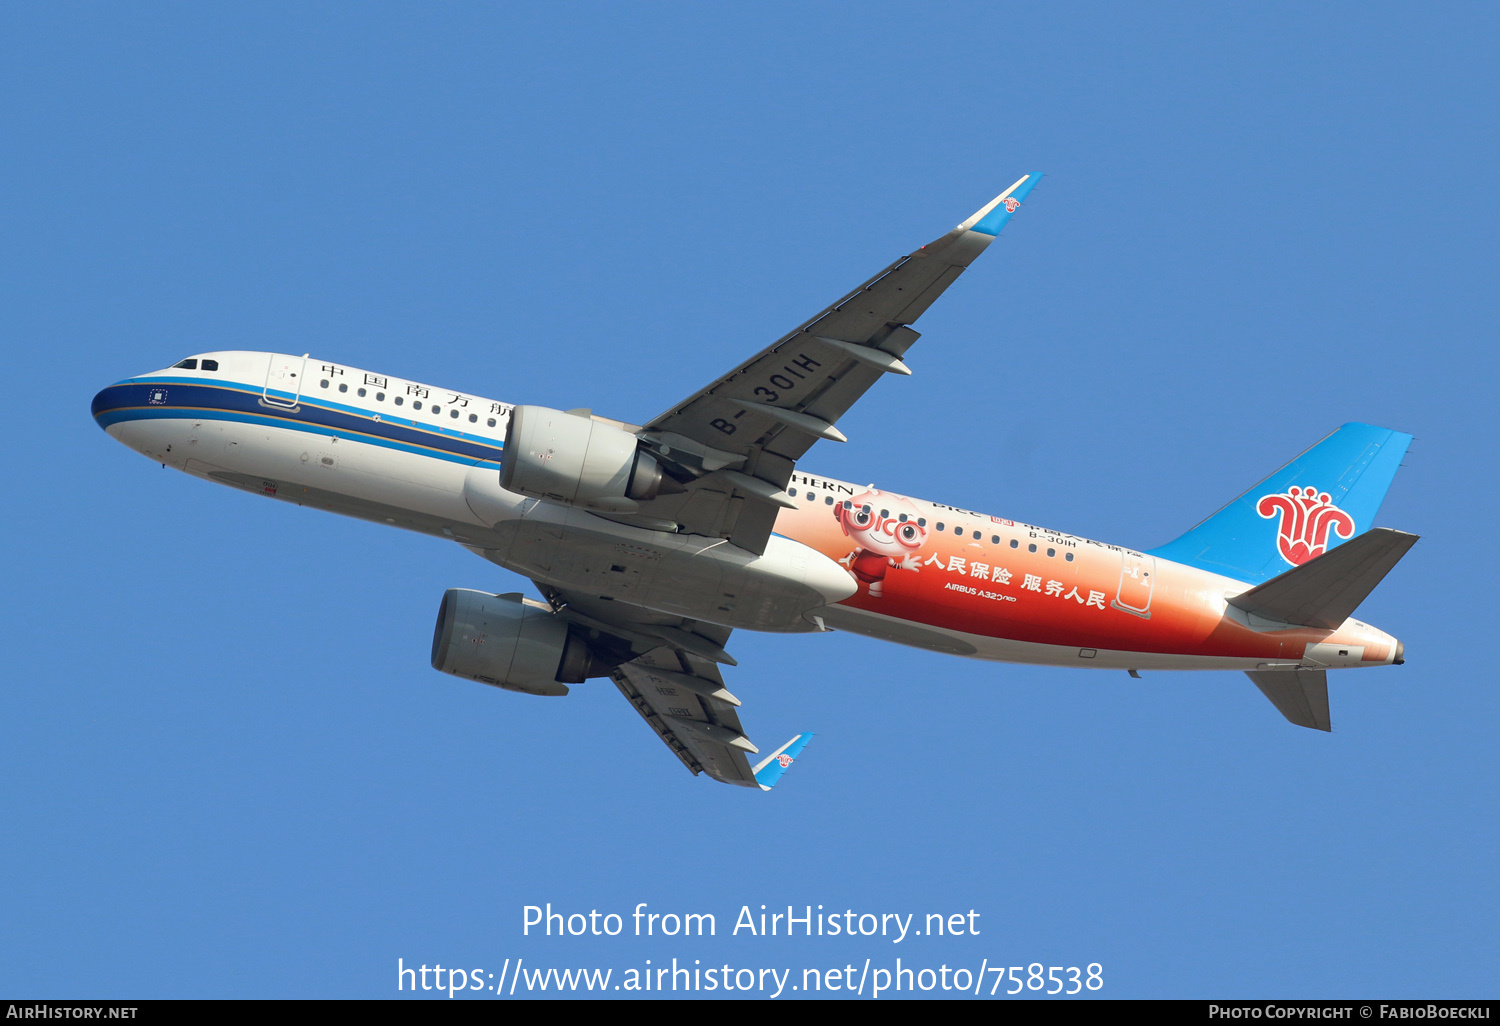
column 650, row 543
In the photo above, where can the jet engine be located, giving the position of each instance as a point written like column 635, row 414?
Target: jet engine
column 576, row 460
column 511, row 643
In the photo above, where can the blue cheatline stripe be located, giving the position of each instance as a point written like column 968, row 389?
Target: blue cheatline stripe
column 129, row 400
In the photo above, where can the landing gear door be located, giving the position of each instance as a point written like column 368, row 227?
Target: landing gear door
column 284, row 381
column 1137, row 582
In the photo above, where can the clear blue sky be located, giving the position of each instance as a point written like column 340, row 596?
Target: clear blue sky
column 228, row 769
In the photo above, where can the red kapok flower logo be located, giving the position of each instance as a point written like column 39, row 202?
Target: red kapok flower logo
column 1307, row 517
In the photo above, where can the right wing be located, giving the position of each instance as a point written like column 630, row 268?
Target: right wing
column 672, row 679
column 736, row 441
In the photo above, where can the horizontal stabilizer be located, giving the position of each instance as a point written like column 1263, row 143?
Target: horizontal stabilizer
column 770, row 769
column 1301, row 695
column 1325, row 591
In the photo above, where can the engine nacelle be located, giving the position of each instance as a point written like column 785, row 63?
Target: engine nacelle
column 573, row 459
column 510, row 643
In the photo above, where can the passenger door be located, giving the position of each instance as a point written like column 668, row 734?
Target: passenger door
column 284, row 381
column 1137, row 582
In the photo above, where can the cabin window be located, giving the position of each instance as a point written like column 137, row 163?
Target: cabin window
column 399, row 401
column 361, row 393
column 1069, row 557
column 1031, row 547
column 211, row 365
column 828, row 500
column 473, row 418
column 343, row 387
column 885, row 514
column 940, row 526
column 323, row 383
column 1014, row 544
column 1051, row 553
column 958, row 530
column 380, row 397
column 994, row 539
column 903, row 518
column 921, row 521
column 438, row 413
column 491, row 422
column 191, row 364
column 416, row 405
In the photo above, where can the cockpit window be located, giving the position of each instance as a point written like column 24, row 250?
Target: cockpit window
column 189, row 364
column 212, row 365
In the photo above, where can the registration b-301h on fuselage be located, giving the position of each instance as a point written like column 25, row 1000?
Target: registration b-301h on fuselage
column 650, row 543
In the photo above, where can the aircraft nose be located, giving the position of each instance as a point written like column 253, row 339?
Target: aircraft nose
column 112, row 399
column 103, row 403
column 1400, row 653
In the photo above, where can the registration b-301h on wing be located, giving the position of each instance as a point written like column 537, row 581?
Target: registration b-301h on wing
column 650, row 543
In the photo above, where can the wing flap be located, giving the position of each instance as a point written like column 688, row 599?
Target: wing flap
column 655, row 722
column 671, row 709
column 672, row 681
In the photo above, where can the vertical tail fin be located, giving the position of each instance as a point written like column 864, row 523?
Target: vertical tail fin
column 1319, row 500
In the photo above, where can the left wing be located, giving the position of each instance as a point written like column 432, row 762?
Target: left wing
column 735, row 442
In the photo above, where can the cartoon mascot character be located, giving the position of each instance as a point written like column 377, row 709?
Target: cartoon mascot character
column 886, row 534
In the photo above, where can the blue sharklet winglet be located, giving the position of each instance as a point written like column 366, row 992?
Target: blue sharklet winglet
column 990, row 218
column 770, row 769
